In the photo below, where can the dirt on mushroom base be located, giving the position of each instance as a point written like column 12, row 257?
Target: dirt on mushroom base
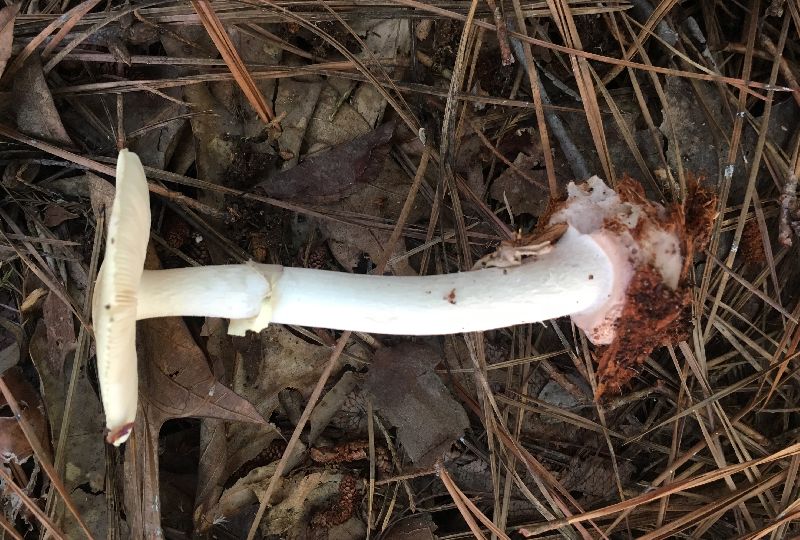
column 654, row 314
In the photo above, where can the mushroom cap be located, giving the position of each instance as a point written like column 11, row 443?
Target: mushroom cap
column 115, row 297
column 635, row 234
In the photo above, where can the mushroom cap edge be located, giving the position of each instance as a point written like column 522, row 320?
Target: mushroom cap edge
column 115, row 296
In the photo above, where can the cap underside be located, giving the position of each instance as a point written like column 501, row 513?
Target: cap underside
column 115, row 295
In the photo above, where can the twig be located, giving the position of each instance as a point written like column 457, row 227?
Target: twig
column 298, row 430
column 573, row 156
column 789, row 210
column 30, row 505
column 502, row 33
column 219, row 36
column 42, row 457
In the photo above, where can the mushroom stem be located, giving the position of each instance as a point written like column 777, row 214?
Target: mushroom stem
column 232, row 291
column 575, row 276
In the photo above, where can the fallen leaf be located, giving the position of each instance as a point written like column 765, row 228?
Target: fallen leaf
column 254, row 49
column 522, row 195
column 14, row 446
column 7, row 16
column 244, row 494
column 592, row 475
column 210, row 472
column 412, row 527
column 60, row 332
column 333, row 174
column 266, row 364
column 686, row 126
column 175, row 381
column 153, row 125
column 216, row 30
column 383, row 195
column 101, row 193
column 37, row 114
column 406, row 390
column 349, row 244
column 335, row 121
column 218, row 137
column 299, row 503
column 330, row 404
column 84, row 471
column 295, row 102
column 9, row 357
column 385, row 39
column 211, row 467
column 32, row 299
column 55, row 215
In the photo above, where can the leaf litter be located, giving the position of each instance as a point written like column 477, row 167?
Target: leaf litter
column 7, row 16
column 296, row 135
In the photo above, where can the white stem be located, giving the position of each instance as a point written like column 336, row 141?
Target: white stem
column 232, row 291
column 575, row 276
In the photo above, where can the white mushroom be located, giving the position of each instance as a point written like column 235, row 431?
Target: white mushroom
column 117, row 302
column 583, row 274
column 115, row 297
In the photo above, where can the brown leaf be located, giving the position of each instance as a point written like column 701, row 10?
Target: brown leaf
column 153, row 125
column 265, row 365
column 384, row 196
column 406, row 390
column 296, row 102
column 385, row 39
column 592, row 475
column 214, row 136
column 210, row 471
column 230, row 55
column 37, row 114
column 332, row 175
column 84, row 444
column 13, row 444
column 60, row 332
column 521, row 193
column 413, row 527
column 294, row 503
column 101, row 193
column 32, row 299
column 175, row 381
column 211, row 476
column 55, row 215
column 9, row 355
column 7, row 16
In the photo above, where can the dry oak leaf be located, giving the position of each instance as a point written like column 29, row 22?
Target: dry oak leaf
column 176, row 381
column 61, row 338
column 37, row 114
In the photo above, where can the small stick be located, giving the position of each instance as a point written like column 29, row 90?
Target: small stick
column 788, row 211
column 502, row 33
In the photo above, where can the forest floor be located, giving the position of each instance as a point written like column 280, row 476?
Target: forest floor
column 405, row 138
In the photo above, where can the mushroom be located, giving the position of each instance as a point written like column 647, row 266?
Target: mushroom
column 598, row 240
column 124, row 292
